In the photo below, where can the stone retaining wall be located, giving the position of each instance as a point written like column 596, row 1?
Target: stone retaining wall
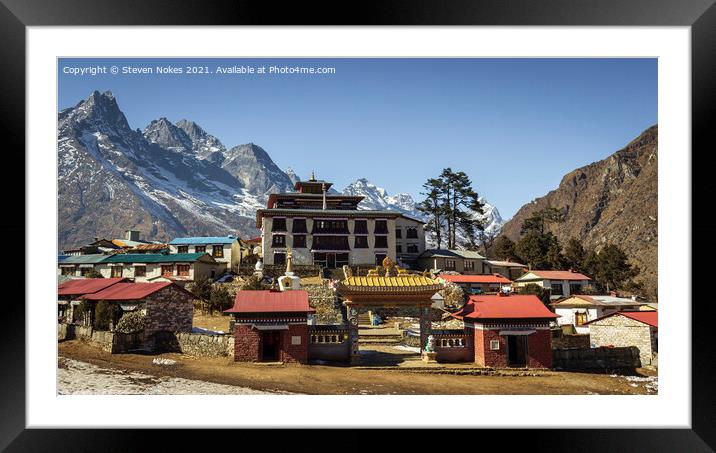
column 570, row 341
column 199, row 345
column 596, row 358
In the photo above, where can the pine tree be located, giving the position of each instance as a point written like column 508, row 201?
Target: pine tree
column 504, row 248
column 460, row 203
column 434, row 208
column 613, row 271
column 575, row 255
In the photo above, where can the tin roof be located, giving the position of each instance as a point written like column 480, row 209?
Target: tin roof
column 489, row 278
column 650, row 318
column 522, row 306
column 267, row 301
column 85, row 259
column 583, row 300
column 554, row 275
column 451, row 253
column 85, row 286
column 156, row 257
column 130, row 291
column 150, row 247
column 505, row 263
column 204, row 240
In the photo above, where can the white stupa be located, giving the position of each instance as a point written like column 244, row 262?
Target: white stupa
column 289, row 281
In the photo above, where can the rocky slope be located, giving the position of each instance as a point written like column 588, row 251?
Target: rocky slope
column 614, row 200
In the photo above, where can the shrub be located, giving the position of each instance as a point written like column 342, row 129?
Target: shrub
column 106, row 313
column 131, row 322
column 453, row 295
column 220, row 299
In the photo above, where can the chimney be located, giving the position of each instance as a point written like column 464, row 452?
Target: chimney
column 131, row 235
column 323, row 186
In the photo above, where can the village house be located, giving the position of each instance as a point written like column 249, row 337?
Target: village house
column 157, row 267
column 560, row 283
column 577, row 310
column 168, row 308
column 478, row 284
column 78, row 265
column 462, row 261
column 509, row 330
column 271, row 326
column 330, row 230
column 69, row 293
column 507, row 269
column 224, row 249
column 628, row 328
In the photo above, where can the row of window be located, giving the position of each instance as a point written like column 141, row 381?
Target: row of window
column 558, row 289
column 330, row 260
column 451, row 342
column 319, row 339
column 332, row 226
column 330, row 242
column 410, row 248
column 217, row 251
column 467, row 265
column 182, row 270
column 410, row 233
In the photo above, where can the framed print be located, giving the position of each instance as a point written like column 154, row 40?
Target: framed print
column 427, row 213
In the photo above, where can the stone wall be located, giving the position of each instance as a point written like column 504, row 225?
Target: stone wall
column 194, row 344
column 621, row 331
column 596, row 358
column 326, row 303
column 570, row 341
column 169, row 310
column 247, row 346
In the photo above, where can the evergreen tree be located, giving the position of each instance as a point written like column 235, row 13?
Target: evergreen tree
column 201, row 288
column 434, row 208
column 575, row 256
column 539, row 251
column 460, row 204
column 537, row 221
column 612, row 270
column 504, row 249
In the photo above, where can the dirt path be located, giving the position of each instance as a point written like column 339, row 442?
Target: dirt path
column 339, row 380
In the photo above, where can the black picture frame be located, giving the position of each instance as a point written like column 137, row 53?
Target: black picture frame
column 16, row 15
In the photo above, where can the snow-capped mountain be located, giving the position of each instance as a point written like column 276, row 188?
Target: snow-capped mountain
column 171, row 179
column 378, row 198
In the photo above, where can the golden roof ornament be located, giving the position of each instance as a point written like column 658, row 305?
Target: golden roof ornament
column 313, row 177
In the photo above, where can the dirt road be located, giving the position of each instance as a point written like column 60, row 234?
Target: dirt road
column 341, row 380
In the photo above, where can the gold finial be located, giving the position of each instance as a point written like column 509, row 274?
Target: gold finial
column 313, row 177
column 387, row 262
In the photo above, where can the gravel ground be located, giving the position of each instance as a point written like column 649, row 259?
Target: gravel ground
column 81, row 378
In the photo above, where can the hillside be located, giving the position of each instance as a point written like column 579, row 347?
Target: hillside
column 614, row 200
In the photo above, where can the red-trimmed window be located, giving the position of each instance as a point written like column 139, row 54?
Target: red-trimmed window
column 167, row 270
column 183, row 270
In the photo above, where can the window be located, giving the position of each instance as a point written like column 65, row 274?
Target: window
column 495, row 345
column 299, row 241
column 84, row 271
column 361, row 227
column 330, row 226
column 140, row 271
column 279, row 258
column 200, row 249
column 379, row 257
column 116, row 271
column 381, row 242
column 183, row 270
column 279, row 240
column 580, row 319
column 167, row 270
column 575, row 288
column 398, row 248
column 411, row 233
column 381, row 227
column 279, row 224
column 361, row 242
column 299, row 226
column 183, row 249
column 217, row 251
column 68, row 270
column 330, row 243
column 450, row 264
column 398, row 233
column 557, row 289
column 412, row 248
column 469, row 265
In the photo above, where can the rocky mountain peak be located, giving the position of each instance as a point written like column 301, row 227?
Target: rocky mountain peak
column 162, row 132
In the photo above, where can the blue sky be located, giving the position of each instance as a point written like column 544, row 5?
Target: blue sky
column 515, row 126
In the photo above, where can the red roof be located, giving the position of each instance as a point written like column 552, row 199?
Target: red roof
column 650, row 318
column 256, row 239
column 263, row 301
column 505, row 307
column 476, row 279
column 85, row 286
column 130, row 291
column 560, row 275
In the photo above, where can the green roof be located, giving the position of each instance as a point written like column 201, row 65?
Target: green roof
column 84, row 259
column 155, row 257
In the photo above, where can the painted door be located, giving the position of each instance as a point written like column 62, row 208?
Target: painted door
column 517, row 350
